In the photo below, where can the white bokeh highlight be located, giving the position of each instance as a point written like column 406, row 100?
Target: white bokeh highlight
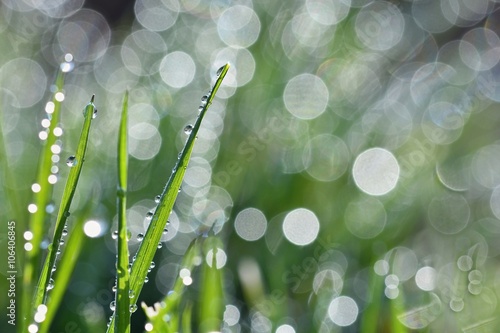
column 376, row 171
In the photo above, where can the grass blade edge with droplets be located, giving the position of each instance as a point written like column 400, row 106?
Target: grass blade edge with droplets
column 63, row 214
column 122, row 301
column 149, row 244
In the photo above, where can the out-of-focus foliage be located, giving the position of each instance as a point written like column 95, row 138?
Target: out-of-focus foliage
column 351, row 166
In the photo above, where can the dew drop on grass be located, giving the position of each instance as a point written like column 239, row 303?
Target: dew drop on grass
column 219, row 71
column 94, row 115
column 160, row 245
column 149, row 215
column 131, row 294
column 146, row 279
column 65, row 232
column 133, row 308
column 188, row 129
column 140, row 237
column 204, row 99
column 114, row 235
column 165, row 231
column 50, row 286
column 152, row 265
column 71, row 161
column 67, row 66
column 200, row 108
column 158, row 198
column 112, row 305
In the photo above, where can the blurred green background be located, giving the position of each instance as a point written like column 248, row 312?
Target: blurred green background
column 350, row 162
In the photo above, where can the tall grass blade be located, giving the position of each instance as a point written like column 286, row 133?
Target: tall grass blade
column 63, row 213
column 211, row 296
column 154, row 232
column 37, row 223
column 123, row 284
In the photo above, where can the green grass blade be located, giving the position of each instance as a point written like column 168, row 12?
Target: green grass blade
column 212, row 295
column 186, row 318
column 37, row 223
column 123, row 284
column 65, row 269
column 154, row 232
column 63, row 214
column 171, row 302
column 373, row 311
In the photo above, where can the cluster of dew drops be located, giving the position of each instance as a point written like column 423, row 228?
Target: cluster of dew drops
column 139, row 238
column 57, row 131
column 149, row 215
column 55, row 148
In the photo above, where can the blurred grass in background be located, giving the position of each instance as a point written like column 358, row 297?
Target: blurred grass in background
column 350, row 164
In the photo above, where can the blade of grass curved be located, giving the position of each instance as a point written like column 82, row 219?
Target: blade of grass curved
column 122, row 300
column 154, row 232
column 170, row 304
column 211, row 295
column 37, row 222
column 63, row 214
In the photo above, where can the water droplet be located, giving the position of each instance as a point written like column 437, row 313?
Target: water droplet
column 50, row 286
column 46, row 123
column 200, row 108
column 50, row 208
column 131, row 294
column 158, row 198
column 43, row 135
column 160, row 245
column 61, row 242
column 114, row 289
column 188, row 129
column 146, row 279
column 140, row 237
column 114, row 235
column 219, row 71
column 65, row 232
column 67, row 66
column 58, row 131
column 112, row 305
column 53, row 269
column 71, row 161
column 133, row 308
column 94, row 115
column 149, row 215
column 204, row 99
column 165, row 231
column 152, row 265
